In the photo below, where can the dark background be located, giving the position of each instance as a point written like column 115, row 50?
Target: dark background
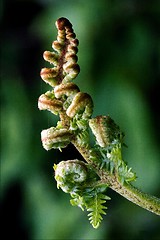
column 119, row 56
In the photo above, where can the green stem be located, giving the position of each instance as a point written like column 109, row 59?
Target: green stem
column 136, row 196
column 128, row 191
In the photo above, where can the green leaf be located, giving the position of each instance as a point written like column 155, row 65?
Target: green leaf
column 125, row 174
column 96, row 209
column 77, row 201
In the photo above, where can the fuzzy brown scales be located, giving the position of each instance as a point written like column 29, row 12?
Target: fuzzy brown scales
column 64, row 57
column 66, row 89
column 55, row 138
column 45, row 102
column 63, row 23
column 105, row 130
column 81, row 102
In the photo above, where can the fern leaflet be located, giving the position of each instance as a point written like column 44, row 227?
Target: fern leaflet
column 96, row 209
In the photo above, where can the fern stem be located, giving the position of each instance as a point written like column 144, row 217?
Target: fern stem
column 133, row 194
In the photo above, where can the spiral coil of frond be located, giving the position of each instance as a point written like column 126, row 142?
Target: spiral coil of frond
column 63, row 57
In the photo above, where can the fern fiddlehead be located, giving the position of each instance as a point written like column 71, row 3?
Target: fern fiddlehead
column 70, row 175
column 76, row 177
column 64, row 57
column 105, row 167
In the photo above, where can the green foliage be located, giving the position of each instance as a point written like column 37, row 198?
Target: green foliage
column 109, row 142
column 93, row 201
column 96, row 209
column 112, row 161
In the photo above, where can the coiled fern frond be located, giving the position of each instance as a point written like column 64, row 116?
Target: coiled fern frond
column 75, row 177
column 86, row 182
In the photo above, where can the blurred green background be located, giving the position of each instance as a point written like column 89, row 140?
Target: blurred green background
column 119, row 56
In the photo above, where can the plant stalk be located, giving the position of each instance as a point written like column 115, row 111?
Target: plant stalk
column 133, row 194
